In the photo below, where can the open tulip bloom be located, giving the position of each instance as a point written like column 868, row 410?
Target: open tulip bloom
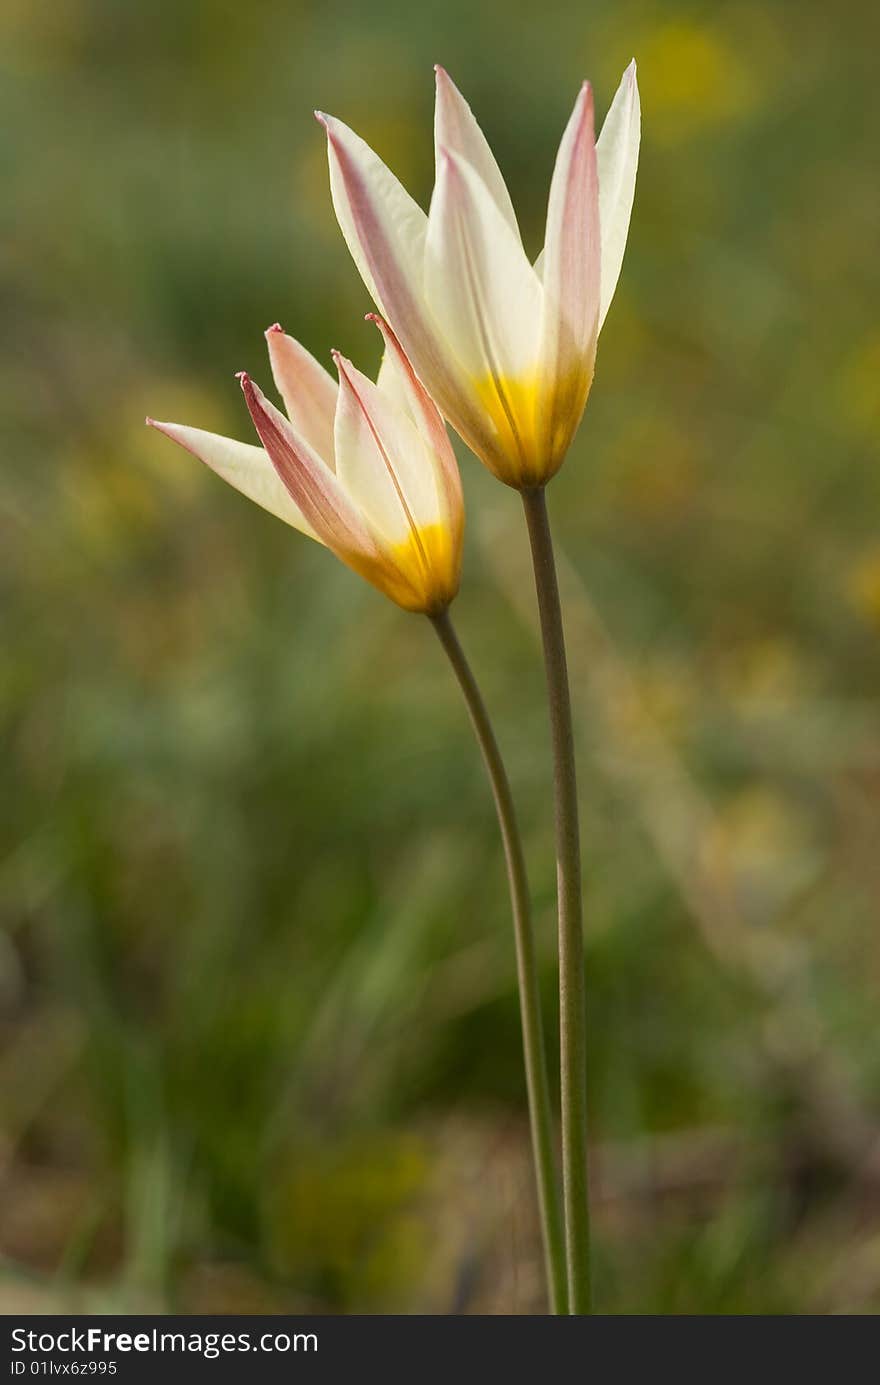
column 506, row 347
column 365, row 468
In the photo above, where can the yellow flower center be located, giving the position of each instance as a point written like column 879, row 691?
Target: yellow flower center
column 421, row 573
column 534, row 420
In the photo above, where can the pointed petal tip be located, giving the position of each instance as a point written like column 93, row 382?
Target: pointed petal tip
column 330, row 123
column 379, row 321
column 342, row 363
column 253, row 395
column 331, row 126
column 273, row 330
column 584, row 113
column 166, row 429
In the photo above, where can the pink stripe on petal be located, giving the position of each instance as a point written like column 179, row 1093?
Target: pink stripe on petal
column 428, row 421
column 311, row 483
column 382, row 458
column 571, row 276
column 382, row 225
column 385, row 232
column 571, row 264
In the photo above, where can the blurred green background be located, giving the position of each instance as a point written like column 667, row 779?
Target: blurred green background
column 259, row 1026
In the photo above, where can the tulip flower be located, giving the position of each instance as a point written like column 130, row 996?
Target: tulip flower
column 506, row 347
column 366, row 469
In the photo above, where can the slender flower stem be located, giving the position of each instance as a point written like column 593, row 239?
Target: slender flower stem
column 537, row 1085
column 572, row 992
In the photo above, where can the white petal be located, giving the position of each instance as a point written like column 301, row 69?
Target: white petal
column 381, row 459
column 478, row 280
column 244, row 466
column 309, row 393
column 389, row 381
column 385, row 232
column 617, row 152
column 456, row 130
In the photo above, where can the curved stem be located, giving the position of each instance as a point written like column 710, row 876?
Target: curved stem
column 572, row 991
column 537, row 1085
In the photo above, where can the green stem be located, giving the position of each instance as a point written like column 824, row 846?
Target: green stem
column 572, row 991
column 534, row 1051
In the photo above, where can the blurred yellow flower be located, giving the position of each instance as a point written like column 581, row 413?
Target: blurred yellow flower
column 693, row 78
column 863, row 586
column 762, row 841
column 858, row 388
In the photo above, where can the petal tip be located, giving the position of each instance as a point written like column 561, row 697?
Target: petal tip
column 342, row 364
column 329, row 124
column 166, row 429
column 379, row 322
column 273, row 330
column 585, row 106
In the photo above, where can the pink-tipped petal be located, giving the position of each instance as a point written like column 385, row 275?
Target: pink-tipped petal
column 244, row 466
column 456, row 130
column 617, row 156
column 383, row 227
column 571, row 268
column 399, row 380
column 381, row 459
column 385, row 232
column 308, row 391
column 572, row 244
column 310, row 482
